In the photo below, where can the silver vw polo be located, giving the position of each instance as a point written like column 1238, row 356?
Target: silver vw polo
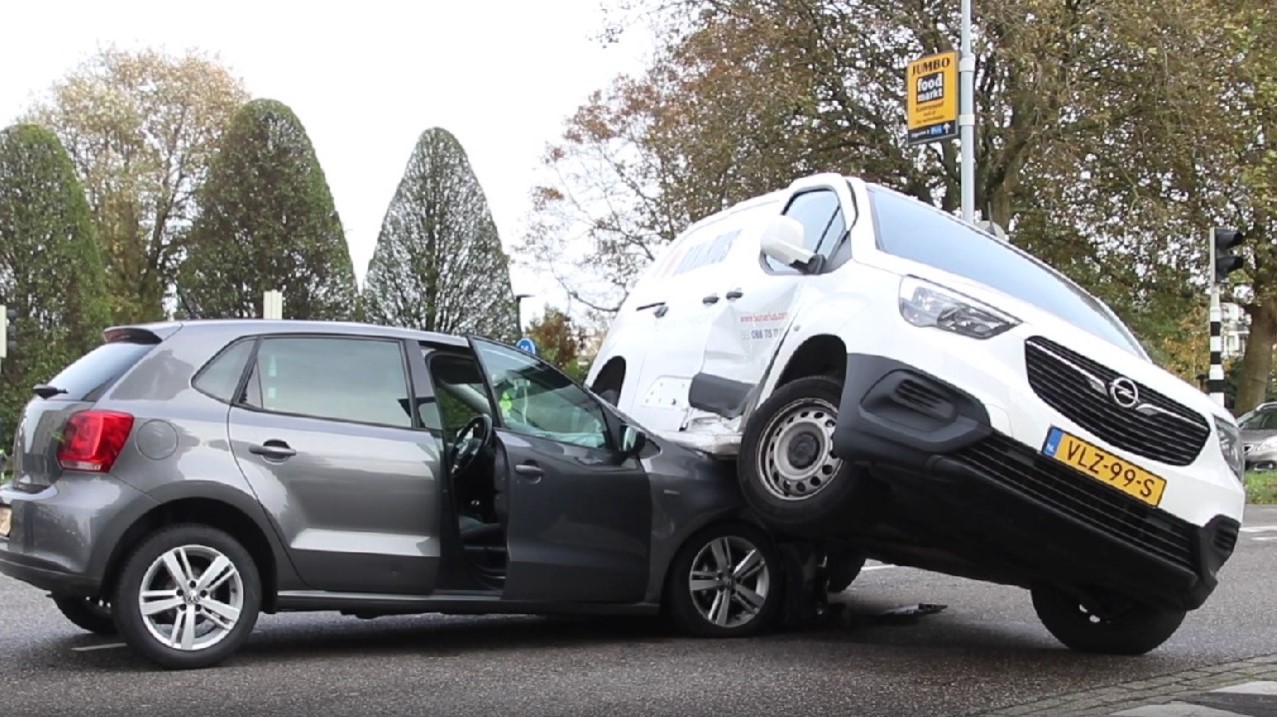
column 182, row 478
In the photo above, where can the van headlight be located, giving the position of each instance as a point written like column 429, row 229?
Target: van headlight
column 929, row 305
column 1230, row 444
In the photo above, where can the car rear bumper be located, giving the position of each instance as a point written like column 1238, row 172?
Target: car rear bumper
column 61, row 536
column 996, row 502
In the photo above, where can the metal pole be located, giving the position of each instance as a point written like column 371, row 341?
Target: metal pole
column 966, row 115
column 1215, row 379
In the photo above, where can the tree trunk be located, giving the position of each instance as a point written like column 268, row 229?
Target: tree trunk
column 1257, row 362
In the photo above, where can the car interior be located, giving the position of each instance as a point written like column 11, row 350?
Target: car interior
column 476, row 477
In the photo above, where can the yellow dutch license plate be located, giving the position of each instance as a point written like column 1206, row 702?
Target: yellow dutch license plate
column 6, row 514
column 1104, row 466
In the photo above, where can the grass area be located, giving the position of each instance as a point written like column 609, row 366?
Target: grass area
column 1261, row 487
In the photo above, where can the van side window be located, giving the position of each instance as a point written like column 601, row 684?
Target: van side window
column 820, row 213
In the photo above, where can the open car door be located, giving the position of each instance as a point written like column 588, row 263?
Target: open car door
column 580, row 510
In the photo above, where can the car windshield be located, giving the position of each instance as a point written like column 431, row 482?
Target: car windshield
column 912, row 230
column 1262, row 421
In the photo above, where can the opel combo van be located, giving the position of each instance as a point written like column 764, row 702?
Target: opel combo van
column 885, row 375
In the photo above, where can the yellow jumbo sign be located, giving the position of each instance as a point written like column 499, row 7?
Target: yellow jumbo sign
column 931, row 97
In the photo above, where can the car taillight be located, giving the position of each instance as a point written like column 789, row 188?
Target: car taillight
column 92, row 440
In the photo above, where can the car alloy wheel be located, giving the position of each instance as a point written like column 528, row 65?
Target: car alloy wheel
column 187, row 597
column 797, row 460
column 729, row 581
column 192, row 597
column 726, row 581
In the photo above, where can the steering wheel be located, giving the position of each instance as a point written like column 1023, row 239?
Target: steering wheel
column 470, row 442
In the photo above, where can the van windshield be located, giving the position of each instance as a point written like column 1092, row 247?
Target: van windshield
column 918, row 232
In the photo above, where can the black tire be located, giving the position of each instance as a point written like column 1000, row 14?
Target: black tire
column 841, row 570
column 740, row 539
column 87, row 613
column 610, row 394
column 203, row 543
column 1127, row 628
column 821, row 502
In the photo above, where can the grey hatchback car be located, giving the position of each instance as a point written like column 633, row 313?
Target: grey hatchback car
column 183, row 477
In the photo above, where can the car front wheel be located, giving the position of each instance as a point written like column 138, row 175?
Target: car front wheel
column 726, row 581
column 87, row 613
column 187, row 597
column 1107, row 624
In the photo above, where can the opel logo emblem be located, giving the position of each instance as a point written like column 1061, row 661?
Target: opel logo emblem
column 1123, row 392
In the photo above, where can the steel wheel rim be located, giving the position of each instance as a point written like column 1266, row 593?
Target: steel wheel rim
column 191, row 598
column 803, row 427
column 729, row 581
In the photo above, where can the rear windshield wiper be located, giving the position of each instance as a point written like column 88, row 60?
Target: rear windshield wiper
column 44, row 390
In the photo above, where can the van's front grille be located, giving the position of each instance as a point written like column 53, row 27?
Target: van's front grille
column 1154, row 426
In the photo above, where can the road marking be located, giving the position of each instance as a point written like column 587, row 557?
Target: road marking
column 107, row 646
column 1260, row 529
column 1265, row 538
column 878, row 567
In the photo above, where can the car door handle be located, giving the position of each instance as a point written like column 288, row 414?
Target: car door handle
column 278, row 450
column 711, row 299
column 529, row 470
column 734, row 294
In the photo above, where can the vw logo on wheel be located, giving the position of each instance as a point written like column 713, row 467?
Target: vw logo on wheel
column 1123, row 392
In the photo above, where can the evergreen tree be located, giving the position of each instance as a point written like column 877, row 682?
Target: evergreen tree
column 51, row 271
column 267, row 221
column 439, row 264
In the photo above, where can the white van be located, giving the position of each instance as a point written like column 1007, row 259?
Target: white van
column 887, row 375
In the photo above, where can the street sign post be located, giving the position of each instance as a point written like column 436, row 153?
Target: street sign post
column 931, row 98
column 525, row 344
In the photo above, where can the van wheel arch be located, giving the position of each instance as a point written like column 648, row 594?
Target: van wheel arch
column 204, row 511
column 819, row 355
column 610, row 379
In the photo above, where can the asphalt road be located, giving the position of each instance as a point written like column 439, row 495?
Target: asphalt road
column 986, row 650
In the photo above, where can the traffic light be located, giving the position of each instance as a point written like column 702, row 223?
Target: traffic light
column 1225, row 263
column 7, row 316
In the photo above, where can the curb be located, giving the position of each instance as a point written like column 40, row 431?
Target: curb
column 1103, row 701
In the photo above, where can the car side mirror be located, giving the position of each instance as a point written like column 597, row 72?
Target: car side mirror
column 783, row 241
column 633, row 440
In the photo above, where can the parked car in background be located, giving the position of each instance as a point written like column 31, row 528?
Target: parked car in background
column 1259, row 437
column 181, row 478
column 884, row 374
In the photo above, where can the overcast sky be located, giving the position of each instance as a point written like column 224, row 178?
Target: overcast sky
column 365, row 78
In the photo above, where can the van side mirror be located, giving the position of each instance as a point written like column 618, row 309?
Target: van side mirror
column 633, row 440
column 783, row 241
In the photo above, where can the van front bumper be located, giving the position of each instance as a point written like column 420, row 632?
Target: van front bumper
column 996, row 502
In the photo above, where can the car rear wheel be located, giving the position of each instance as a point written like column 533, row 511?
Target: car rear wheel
column 726, row 581
column 787, row 468
column 1111, row 624
column 87, row 613
column 187, row 597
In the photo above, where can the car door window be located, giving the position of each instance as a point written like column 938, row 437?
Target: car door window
column 820, row 213
column 460, row 393
column 535, row 399
column 345, row 379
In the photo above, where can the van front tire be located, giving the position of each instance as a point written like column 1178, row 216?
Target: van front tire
column 1126, row 627
column 787, row 469
column 87, row 613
